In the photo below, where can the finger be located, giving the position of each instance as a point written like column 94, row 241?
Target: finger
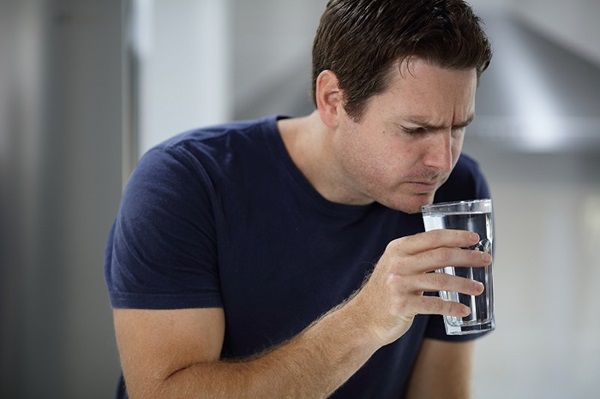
column 436, row 305
column 439, row 258
column 417, row 243
column 442, row 257
column 433, row 282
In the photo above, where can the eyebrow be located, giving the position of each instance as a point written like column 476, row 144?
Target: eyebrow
column 430, row 126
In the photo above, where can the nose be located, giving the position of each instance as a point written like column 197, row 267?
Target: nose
column 438, row 152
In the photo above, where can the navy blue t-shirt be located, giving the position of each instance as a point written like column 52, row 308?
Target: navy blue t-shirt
column 222, row 217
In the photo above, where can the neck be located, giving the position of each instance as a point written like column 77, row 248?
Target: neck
column 308, row 142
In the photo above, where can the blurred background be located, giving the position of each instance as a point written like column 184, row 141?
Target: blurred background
column 87, row 86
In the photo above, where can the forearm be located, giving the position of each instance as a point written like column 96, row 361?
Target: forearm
column 175, row 353
column 447, row 363
column 312, row 365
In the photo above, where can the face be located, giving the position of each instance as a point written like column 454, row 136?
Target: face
column 409, row 138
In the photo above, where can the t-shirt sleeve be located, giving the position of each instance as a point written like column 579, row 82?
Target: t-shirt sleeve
column 162, row 252
column 466, row 182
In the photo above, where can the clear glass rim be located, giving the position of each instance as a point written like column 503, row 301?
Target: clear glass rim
column 456, row 206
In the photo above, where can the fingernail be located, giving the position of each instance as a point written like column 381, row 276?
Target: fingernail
column 480, row 286
column 486, row 257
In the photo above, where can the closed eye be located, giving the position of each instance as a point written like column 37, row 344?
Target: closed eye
column 414, row 130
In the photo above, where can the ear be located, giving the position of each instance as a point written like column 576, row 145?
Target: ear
column 328, row 98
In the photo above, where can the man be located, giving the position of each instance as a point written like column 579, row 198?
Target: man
column 285, row 257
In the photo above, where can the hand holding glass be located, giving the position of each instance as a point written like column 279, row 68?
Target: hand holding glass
column 476, row 216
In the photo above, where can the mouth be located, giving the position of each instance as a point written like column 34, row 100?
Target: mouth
column 424, row 186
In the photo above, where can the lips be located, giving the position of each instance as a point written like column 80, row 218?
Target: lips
column 424, row 185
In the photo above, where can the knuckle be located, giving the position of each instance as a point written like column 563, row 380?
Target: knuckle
column 431, row 305
column 476, row 257
column 435, row 306
column 449, row 308
column 393, row 245
column 442, row 255
column 444, row 307
column 439, row 280
column 399, row 243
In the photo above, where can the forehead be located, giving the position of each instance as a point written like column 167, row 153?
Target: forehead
column 416, row 86
column 416, row 72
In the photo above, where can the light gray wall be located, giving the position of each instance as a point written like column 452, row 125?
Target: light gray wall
column 547, row 222
column 60, row 180
column 272, row 43
column 273, row 38
column 573, row 23
column 60, row 136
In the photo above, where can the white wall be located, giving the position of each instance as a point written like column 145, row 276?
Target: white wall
column 183, row 50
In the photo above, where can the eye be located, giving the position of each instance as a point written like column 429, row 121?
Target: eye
column 414, row 130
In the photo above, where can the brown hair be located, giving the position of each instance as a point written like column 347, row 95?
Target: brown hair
column 360, row 41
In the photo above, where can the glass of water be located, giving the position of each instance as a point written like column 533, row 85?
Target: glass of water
column 473, row 215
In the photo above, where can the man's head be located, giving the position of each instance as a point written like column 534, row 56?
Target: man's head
column 362, row 40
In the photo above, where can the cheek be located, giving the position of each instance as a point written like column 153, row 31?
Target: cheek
column 374, row 155
column 368, row 160
column 391, row 164
column 456, row 149
column 359, row 145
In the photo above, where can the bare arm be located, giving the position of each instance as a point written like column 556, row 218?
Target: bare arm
column 448, row 365
column 175, row 353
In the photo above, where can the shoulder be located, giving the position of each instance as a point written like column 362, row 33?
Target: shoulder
column 201, row 152
column 193, row 170
column 212, row 139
